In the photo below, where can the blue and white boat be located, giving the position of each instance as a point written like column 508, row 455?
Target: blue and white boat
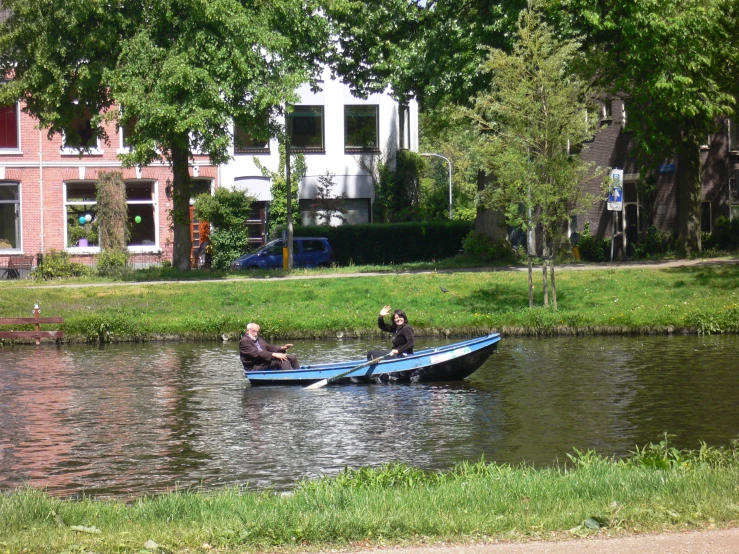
column 445, row 363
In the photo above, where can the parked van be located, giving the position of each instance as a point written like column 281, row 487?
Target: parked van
column 307, row 252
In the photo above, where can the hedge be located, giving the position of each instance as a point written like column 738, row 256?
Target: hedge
column 391, row 243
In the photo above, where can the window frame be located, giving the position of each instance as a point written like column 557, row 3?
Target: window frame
column 17, row 149
column 155, row 248
column 76, row 150
column 19, row 220
column 248, row 149
column 308, row 149
column 359, row 149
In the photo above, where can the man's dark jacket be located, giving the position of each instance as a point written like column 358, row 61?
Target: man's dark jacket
column 252, row 357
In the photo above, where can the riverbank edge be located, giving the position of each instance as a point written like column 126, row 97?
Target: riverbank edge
column 354, row 334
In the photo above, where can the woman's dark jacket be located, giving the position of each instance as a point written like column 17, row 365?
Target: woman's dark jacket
column 403, row 340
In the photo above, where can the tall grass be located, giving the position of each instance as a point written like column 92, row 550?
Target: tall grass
column 397, row 504
column 640, row 300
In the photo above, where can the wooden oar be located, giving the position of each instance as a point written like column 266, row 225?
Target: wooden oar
column 324, row 382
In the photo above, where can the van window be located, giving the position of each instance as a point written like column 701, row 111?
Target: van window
column 313, row 246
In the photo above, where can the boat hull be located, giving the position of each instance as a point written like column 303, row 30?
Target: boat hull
column 448, row 363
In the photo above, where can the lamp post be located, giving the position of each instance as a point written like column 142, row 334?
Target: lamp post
column 427, row 154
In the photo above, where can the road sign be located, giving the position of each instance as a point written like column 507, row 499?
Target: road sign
column 616, row 196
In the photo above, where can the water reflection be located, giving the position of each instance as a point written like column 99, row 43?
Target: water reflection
column 135, row 419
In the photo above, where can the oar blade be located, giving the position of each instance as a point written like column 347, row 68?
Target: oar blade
column 317, row 385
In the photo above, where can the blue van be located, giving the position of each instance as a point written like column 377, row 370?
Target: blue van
column 307, row 252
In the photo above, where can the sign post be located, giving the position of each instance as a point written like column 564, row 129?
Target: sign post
column 615, row 201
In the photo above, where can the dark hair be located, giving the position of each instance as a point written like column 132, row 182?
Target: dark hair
column 401, row 313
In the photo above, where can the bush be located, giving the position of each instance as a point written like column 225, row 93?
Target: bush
column 726, row 234
column 112, row 263
column 57, row 265
column 394, row 243
column 653, row 242
column 483, row 248
column 227, row 211
column 593, row 249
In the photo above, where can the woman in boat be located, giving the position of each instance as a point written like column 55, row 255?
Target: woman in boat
column 403, row 339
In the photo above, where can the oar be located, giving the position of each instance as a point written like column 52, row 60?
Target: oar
column 324, row 382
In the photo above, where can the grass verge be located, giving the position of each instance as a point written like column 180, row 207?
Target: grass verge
column 703, row 299
column 658, row 488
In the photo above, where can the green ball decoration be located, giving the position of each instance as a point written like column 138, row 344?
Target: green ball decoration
column 137, row 219
column 82, row 220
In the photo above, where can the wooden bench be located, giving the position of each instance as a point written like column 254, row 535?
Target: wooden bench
column 36, row 333
column 17, row 267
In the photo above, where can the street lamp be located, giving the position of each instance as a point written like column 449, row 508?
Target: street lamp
column 427, row 154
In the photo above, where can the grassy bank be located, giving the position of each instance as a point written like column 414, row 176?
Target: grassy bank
column 656, row 489
column 702, row 299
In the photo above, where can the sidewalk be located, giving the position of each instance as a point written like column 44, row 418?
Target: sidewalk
column 695, row 542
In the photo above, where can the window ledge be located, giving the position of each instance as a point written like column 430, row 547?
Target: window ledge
column 77, row 152
column 10, row 152
column 299, row 150
column 11, row 252
column 368, row 150
column 144, row 249
column 252, row 151
column 83, row 249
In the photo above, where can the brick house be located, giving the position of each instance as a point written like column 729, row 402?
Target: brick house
column 652, row 199
column 47, row 193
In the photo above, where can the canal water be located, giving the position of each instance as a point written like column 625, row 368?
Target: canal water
column 129, row 420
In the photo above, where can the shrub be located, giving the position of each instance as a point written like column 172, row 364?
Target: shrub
column 57, row 265
column 726, row 233
column 112, row 263
column 653, row 242
column 396, row 243
column 593, row 249
column 227, row 211
column 483, row 248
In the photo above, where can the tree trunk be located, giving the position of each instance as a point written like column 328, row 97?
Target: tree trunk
column 181, row 208
column 689, row 196
column 554, row 284
column 531, row 283
column 544, row 279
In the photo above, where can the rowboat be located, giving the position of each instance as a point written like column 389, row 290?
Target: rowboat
column 445, row 363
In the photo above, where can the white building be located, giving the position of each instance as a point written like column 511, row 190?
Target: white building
column 337, row 132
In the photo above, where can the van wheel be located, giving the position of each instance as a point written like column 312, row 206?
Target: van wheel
column 324, row 265
column 253, row 267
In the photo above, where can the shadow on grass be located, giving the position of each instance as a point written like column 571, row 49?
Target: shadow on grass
column 715, row 275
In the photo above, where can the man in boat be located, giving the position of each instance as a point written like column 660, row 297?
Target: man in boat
column 258, row 355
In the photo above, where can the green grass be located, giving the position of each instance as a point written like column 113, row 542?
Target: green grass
column 656, row 489
column 634, row 300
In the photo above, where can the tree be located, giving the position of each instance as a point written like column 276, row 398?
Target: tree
column 227, row 212
column 182, row 71
column 278, row 188
column 675, row 62
column 531, row 116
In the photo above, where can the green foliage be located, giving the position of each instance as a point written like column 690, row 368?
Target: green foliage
column 181, row 71
column 111, row 211
column 227, row 212
column 326, row 206
column 725, row 235
column 58, row 265
column 485, row 249
column 397, row 189
column 278, row 190
column 653, row 242
column 593, row 249
column 392, row 243
column 112, row 263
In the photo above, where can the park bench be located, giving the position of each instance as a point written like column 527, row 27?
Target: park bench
column 16, row 267
column 36, row 333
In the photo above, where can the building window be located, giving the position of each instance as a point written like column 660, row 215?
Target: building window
column 9, row 128
column 706, row 217
column 10, row 216
column 360, row 128
column 126, row 131
column 80, row 206
column 81, row 209
column 246, row 143
column 80, row 137
column 306, row 128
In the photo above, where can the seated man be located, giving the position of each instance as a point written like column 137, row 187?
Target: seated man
column 258, row 355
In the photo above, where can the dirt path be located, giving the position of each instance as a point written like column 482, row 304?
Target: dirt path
column 697, row 542
column 567, row 267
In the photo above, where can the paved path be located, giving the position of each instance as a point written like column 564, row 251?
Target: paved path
column 566, row 267
column 697, row 542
